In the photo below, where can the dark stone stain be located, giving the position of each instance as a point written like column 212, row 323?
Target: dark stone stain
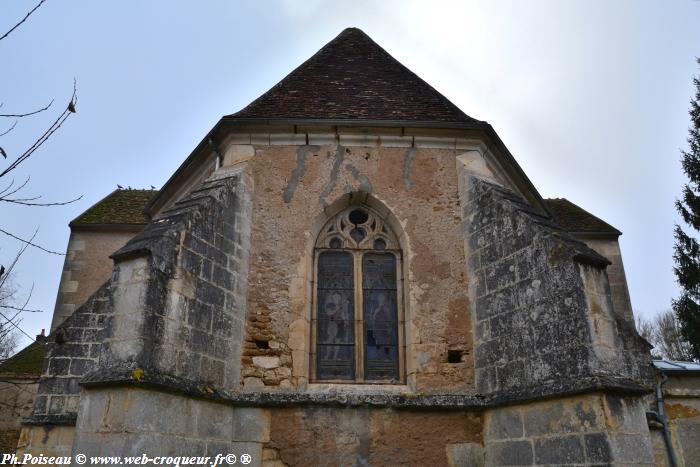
column 298, row 172
column 333, row 177
column 365, row 184
column 410, row 155
column 47, row 430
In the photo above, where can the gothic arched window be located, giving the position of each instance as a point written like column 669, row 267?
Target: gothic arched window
column 358, row 313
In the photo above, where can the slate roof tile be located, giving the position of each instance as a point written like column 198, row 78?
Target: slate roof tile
column 576, row 219
column 122, row 206
column 352, row 77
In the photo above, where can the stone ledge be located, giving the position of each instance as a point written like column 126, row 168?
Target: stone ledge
column 348, row 398
column 152, row 379
column 63, row 419
column 148, row 379
column 553, row 390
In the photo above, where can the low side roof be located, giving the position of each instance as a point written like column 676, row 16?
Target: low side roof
column 28, row 361
column 675, row 366
column 575, row 219
column 353, row 78
column 127, row 206
column 122, row 206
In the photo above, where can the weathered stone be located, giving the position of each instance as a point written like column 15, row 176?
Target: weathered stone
column 504, row 423
column 632, row 449
column 266, row 362
column 251, row 425
column 559, row 450
column 465, row 454
column 597, row 448
column 509, row 453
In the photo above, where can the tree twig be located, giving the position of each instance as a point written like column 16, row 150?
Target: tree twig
column 28, row 113
column 9, row 129
column 46, row 135
column 16, row 327
column 30, row 243
column 22, row 21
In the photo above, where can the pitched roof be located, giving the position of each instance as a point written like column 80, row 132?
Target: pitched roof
column 352, row 77
column 575, row 219
column 122, row 206
column 28, row 361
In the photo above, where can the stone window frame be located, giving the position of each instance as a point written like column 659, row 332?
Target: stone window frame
column 384, row 231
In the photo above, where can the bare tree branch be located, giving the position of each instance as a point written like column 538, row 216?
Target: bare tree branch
column 28, row 201
column 46, row 135
column 14, row 124
column 28, row 113
column 5, row 196
column 30, row 243
column 23, row 307
column 19, row 254
column 5, row 191
column 16, row 326
column 28, row 310
column 22, row 21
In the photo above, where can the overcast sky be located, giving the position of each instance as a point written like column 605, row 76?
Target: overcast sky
column 591, row 97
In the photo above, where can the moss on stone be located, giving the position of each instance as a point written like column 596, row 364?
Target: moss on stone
column 119, row 207
column 28, row 361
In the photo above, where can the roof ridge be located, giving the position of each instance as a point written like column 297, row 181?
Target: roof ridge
column 352, row 77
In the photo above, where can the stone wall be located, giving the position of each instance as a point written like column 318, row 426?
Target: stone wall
column 610, row 249
column 16, row 401
column 46, row 440
column 541, row 299
column 172, row 313
column 682, row 407
column 207, row 319
column 133, row 422
column 594, row 429
column 373, row 436
column 72, row 351
column 180, row 313
column 297, row 189
column 87, row 266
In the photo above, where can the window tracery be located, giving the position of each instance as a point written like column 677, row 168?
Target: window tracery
column 358, row 308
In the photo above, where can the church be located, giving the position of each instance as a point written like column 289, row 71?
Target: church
column 348, row 271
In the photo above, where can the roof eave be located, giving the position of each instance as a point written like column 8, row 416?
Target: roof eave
column 602, row 235
column 77, row 226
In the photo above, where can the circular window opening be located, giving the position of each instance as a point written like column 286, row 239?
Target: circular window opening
column 358, row 217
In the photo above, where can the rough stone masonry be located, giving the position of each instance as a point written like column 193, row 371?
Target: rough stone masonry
column 510, row 348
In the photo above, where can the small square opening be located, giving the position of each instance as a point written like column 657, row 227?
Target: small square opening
column 262, row 344
column 454, row 356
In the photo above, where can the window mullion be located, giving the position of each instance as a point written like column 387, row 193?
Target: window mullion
column 359, row 329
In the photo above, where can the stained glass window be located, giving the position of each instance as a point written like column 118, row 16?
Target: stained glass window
column 379, row 316
column 357, row 315
column 335, row 338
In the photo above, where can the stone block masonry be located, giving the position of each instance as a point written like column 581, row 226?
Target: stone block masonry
column 71, row 354
column 185, row 318
column 594, row 429
column 85, row 268
column 133, row 422
column 540, row 299
column 173, row 310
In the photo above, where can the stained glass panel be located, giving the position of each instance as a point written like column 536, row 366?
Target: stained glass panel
column 380, row 316
column 335, row 335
